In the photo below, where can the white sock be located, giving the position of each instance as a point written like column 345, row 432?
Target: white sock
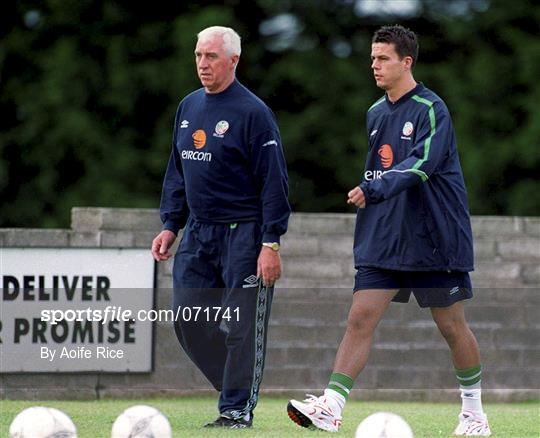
column 335, row 399
column 471, row 398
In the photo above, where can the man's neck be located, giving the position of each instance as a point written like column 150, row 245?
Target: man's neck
column 401, row 90
column 223, row 87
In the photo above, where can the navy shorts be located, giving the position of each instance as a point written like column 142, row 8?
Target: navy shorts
column 430, row 288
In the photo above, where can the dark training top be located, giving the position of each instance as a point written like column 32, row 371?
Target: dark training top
column 416, row 216
column 227, row 164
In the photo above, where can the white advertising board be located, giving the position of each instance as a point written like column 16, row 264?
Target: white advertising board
column 76, row 310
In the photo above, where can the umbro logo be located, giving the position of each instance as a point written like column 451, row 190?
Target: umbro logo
column 251, row 281
column 184, row 124
column 454, row 290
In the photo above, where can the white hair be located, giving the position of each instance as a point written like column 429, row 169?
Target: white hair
column 231, row 40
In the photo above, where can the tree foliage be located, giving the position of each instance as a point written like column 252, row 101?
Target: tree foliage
column 89, row 90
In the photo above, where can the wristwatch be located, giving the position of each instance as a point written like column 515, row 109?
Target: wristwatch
column 272, row 245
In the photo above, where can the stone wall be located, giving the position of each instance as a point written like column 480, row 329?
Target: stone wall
column 409, row 359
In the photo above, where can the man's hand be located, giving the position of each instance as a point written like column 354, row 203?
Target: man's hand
column 161, row 245
column 268, row 266
column 356, row 197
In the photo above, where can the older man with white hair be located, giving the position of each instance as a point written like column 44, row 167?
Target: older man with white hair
column 226, row 183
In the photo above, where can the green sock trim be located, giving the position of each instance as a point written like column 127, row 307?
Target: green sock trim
column 469, row 376
column 341, row 383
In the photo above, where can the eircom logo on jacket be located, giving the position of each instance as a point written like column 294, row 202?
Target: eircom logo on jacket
column 386, row 156
column 199, row 142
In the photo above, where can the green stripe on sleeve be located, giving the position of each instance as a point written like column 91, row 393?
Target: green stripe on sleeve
column 427, row 142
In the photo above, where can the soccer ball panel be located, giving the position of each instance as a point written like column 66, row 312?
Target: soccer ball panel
column 141, row 421
column 384, row 424
column 42, row 422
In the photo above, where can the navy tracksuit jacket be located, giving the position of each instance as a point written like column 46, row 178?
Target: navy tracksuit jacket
column 416, row 216
column 226, row 182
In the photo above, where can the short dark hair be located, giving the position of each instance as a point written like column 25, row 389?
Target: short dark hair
column 404, row 40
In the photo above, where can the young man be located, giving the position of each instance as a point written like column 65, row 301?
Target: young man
column 226, row 182
column 413, row 234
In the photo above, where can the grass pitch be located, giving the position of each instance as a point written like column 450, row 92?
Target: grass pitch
column 94, row 419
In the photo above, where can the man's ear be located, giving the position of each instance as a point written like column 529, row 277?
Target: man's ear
column 408, row 62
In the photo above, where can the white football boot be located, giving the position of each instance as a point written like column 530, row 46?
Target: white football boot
column 315, row 412
column 472, row 424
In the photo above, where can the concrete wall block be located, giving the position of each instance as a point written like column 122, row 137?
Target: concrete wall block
column 163, row 379
column 532, row 226
column 430, row 335
column 93, row 219
column 86, row 239
column 337, row 247
column 86, row 218
column 288, row 282
column 316, row 223
column 510, row 378
column 367, row 379
column 496, row 272
column 312, row 268
column 309, row 294
column 315, row 311
column 531, row 315
column 163, row 282
column 117, row 239
column 163, row 279
column 529, row 295
column 164, row 297
column 520, row 248
column 426, row 377
column 166, row 267
column 415, row 312
column 143, row 239
column 142, row 219
column 485, row 249
column 495, row 357
column 497, row 225
column 294, row 245
column 49, row 386
column 395, row 314
column 62, row 392
column 531, row 357
column 506, row 315
column 168, row 353
column 480, row 281
column 407, row 395
column 390, row 356
column 517, row 338
column 35, row 238
column 531, row 274
column 276, row 357
column 296, row 336
column 296, row 378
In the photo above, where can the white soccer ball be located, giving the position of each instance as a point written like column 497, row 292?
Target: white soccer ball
column 383, row 424
column 141, row 421
column 41, row 422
